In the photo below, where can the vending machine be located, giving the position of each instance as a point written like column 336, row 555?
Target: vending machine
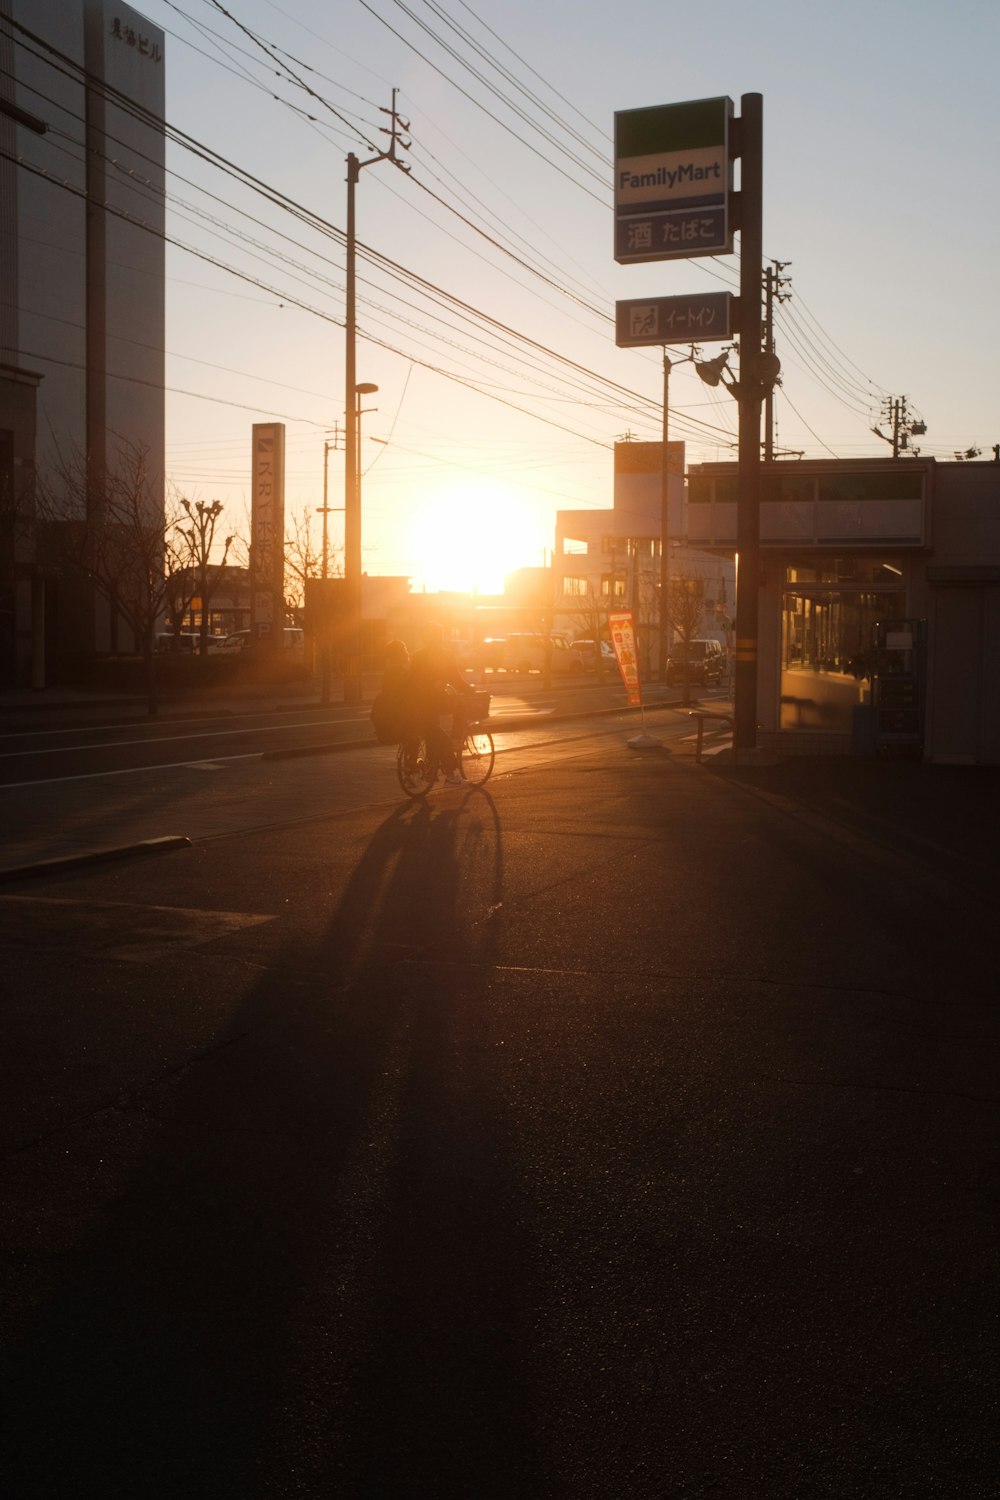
column 898, row 671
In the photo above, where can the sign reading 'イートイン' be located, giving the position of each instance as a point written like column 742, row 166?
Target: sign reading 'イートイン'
column 674, row 320
column 672, row 181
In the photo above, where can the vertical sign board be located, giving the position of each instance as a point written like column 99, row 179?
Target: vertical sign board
column 267, row 534
column 638, row 491
column 622, row 627
column 672, row 181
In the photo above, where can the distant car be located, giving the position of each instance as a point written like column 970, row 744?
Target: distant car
column 588, row 652
column 525, row 651
column 185, row 641
column 293, row 639
column 489, row 656
column 188, row 642
column 706, row 663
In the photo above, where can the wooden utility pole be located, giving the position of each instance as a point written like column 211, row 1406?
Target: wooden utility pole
column 773, row 284
column 352, row 491
column 750, row 394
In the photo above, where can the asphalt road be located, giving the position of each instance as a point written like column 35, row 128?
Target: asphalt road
column 625, row 1129
column 33, row 747
column 48, row 754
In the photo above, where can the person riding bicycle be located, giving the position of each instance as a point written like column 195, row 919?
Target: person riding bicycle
column 393, row 713
column 437, row 687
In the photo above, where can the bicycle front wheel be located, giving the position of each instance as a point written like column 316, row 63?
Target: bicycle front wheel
column 414, row 770
column 478, row 755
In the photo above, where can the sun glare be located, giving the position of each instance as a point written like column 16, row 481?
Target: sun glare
column 471, row 537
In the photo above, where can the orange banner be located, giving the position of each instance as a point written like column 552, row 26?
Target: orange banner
column 622, row 627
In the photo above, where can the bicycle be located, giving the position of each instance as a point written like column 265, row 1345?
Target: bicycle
column 418, row 769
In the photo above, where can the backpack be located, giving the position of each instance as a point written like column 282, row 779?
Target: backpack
column 386, row 717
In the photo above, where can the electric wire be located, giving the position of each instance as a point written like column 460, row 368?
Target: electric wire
column 282, row 295
column 820, row 363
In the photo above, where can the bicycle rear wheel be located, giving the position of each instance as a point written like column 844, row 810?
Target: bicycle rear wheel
column 414, row 769
column 478, row 755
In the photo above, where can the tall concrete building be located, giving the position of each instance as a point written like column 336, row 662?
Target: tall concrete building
column 81, row 301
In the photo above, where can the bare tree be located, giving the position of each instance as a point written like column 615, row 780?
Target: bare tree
column 113, row 534
column 182, row 584
column 181, row 588
column 303, row 558
column 246, row 555
column 196, row 533
column 590, row 617
column 685, row 598
column 17, row 516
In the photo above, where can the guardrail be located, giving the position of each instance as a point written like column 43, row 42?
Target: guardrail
column 701, row 714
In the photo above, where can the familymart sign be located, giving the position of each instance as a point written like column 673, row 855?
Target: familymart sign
column 672, row 181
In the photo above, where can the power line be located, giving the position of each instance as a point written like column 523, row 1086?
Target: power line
column 473, row 100
column 281, row 200
column 400, row 272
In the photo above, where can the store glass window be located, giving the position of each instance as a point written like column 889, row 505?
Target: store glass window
column 828, row 613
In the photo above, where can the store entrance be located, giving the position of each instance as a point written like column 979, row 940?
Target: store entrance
column 828, row 613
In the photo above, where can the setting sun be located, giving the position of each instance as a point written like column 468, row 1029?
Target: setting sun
column 471, row 536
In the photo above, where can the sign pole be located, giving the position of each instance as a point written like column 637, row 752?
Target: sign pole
column 751, row 151
column 665, row 527
column 352, row 507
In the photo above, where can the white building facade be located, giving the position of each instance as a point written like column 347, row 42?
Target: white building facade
column 81, row 299
column 611, row 559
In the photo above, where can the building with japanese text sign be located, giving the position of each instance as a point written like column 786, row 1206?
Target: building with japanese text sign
column 81, row 294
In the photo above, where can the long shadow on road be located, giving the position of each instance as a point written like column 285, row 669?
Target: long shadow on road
column 303, row 1288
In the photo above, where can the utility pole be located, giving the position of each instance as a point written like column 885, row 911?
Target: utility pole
column 326, row 507
column 352, row 496
column 750, row 398
column 773, row 283
column 894, row 411
column 664, row 584
column 664, row 641
column 326, row 626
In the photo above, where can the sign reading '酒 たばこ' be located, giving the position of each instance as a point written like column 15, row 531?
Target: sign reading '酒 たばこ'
column 672, row 181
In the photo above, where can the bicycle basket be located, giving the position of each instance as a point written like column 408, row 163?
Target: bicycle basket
column 480, row 707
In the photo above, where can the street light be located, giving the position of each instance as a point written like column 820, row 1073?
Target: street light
column 352, row 542
column 326, row 507
column 325, row 626
column 365, row 389
column 711, row 372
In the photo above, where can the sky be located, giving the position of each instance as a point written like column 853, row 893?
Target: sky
column 486, row 278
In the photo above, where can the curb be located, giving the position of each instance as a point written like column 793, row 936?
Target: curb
column 97, row 856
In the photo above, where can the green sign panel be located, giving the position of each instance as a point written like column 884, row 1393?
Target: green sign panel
column 672, row 181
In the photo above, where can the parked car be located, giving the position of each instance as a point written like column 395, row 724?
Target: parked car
column 188, row 642
column 293, row 639
column 588, row 652
column 706, row 663
column 185, row 642
column 525, row 651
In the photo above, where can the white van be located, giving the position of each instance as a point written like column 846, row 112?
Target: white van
column 525, row 651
